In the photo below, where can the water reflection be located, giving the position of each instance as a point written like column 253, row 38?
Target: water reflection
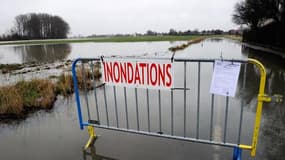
column 273, row 130
column 43, row 53
column 248, row 83
column 275, row 68
column 92, row 155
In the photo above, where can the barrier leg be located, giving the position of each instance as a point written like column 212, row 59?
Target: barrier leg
column 237, row 153
column 92, row 137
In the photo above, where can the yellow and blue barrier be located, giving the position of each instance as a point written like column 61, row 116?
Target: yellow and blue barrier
column 95, row 121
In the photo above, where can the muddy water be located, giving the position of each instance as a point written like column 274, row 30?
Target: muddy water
column 55, row 134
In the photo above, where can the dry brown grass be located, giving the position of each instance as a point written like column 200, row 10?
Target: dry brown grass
column 65, row 84
column 16, row 100
column 40, row 93
column 36, row 93
column 11, row 101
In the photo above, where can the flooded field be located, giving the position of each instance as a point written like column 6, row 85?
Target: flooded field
column 57, row 52
column 55, row 134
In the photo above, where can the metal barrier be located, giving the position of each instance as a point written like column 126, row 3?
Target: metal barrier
column 132, row 109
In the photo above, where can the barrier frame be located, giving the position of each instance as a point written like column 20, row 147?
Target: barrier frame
column 262, row 97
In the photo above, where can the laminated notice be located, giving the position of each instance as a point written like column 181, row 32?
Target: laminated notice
column 225, row 78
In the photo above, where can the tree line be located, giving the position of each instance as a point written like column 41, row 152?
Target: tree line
column 37, row 26
column 173, row 32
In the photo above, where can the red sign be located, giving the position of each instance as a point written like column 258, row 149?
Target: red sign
column 138, row 74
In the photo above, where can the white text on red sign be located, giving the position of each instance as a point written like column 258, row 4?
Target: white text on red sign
column 138, row 74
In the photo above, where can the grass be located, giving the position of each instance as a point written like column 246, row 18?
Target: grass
column 11, row 101
column 25, row 96
column 104, row 39
column 117, row 39
column 64, row 85
column 36, row 93
column 16, row 100
column 187, row 44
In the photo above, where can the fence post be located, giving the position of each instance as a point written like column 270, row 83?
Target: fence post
column 237, row 153
column 92, row 137
column 75, row 82
column 261, row 98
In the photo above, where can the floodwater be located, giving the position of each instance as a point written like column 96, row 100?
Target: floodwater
column 55, row 134
column 57, row 52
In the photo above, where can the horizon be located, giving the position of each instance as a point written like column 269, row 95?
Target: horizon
column 127, row 16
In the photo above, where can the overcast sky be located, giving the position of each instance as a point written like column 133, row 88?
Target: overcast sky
column 87, row 17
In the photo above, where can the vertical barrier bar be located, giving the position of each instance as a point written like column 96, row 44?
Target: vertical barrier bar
column 85, row 89
column 198, row 102
column 148, row 118
column 184, row 131
column 226, row 119
column 241, row 107
column 212, row 113
column 95, row 92
column 261, row 98
column 126, row 107
column 106, row 105
column 237, row 153
column 159, row 111
column 171, row 96
column 212, row 116
column 137, row 109
column 116, row 106
column 75, row 82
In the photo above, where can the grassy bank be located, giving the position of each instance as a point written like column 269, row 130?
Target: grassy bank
column 17, row 101
column 118, row 39
column 187, row 44
column 105, row 39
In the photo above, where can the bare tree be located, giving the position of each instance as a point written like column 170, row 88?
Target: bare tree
column 40, row 26
column 255, row 12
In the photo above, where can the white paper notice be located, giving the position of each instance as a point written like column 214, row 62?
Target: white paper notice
column 225, row 78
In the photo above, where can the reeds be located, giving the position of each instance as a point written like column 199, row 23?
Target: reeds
column 26, row 96
column 11, row 101
column 16, row 100
column 65, row 86
column 36, row 93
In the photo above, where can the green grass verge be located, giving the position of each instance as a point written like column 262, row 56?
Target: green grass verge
column 104, row 39
column 117, row 39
